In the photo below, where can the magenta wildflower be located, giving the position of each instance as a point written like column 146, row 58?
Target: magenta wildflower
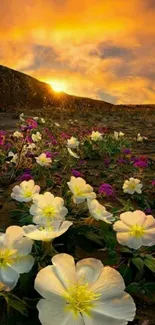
column 148, row 211
column 76, row 173
column 121, row 161
column 141, row 164
column 25, row 177
column 48, row 154
column 65, row 135
column 2, row 137
column 106, row 189
column 31, row 124
column 153, row 182
column 107, row 162
column 127, row 151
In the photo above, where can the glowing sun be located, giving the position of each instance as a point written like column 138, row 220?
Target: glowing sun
column 58, row 85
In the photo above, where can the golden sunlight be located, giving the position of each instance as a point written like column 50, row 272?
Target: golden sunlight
column 58, row 85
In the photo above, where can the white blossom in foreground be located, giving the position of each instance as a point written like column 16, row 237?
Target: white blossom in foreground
column 132, row 185
column 135, row 229
column 36, row 136
column 73, row 154
column 96, row 136
column 17, row 134
column 83, row 294
column 80, row 189
column 99, row 212
column 46, row 208
column 42, row 160
column 118, row 135
column 72, row 143
column 14, row 255
column 14, row 157
column 25, row 191
column 46, row 233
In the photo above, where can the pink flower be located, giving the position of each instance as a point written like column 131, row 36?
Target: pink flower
column 32, row 124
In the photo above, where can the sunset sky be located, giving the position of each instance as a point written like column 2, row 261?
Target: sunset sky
column 95, row 48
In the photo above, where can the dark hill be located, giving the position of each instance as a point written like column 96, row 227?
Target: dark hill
column 19, row 91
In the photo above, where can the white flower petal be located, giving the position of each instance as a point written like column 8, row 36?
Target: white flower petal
column 100, row 319
column 134, row 242
column 9, row 276
column 13, row 234
column 65, row 269
column 120, row 307
column 24, row 246
column 48, row 284
column 149, row 222
column 110, row 283
column 89, row 270
column 23, row 264
column 120, row 226
column 51, row 313
column 131, row 218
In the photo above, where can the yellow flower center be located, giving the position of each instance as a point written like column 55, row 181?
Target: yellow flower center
column 77, row 190
column 49, row 211
column 28, row 193
column 43, row 159
column 80, row 299
column 7, row 257
column 137, row 231
column 132, row 186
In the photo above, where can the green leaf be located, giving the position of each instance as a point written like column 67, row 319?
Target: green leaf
column 133, row 288
column 149, row 287
column 126, row 273
column 149, row 261
column 138, row 262
column 17, row 304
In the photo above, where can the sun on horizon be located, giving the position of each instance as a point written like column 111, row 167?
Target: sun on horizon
column 58, row 85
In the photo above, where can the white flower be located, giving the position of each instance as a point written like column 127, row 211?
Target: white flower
column 14, row 255
column 132, row 185
column 99, row 212
column 46, row 233
column 14, row 157
column 36, row 136
column 72, row 143
column 118, row 135
column 31, row 146
column 96, row 136
column 121, row 134
column 57, row 124
column 83, row 294
column 47, row 208
column 17, row 134
column 25, row 191
column 42, row 120
column 73, row 154
column 42, row 160
column 140, row 138
column 135, row 229
column 81, row 191
column 21, row 117
column 36, row 118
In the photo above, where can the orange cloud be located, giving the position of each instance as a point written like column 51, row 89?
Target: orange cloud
column 101, row 49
